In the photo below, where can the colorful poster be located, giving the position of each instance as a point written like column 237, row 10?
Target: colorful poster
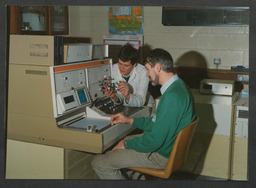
column 126, row 20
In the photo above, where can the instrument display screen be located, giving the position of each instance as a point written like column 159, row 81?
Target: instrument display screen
column 69, row 99
column 82, row 96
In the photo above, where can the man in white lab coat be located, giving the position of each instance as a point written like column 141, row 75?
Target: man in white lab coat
column 131, row 78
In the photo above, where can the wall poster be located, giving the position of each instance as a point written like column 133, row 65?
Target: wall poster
column 126, row 20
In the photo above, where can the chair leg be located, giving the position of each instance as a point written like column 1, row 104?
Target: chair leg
column 131, row 176
column 124, row 173
column 140, row 176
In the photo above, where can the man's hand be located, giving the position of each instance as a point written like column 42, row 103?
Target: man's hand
column 124, row 89
column 120, row 118
column 120, row 145
column 110, row 93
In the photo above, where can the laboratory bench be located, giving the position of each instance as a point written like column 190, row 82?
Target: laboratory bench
column 219, row 147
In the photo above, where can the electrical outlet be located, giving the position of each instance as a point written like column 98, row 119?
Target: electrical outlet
column 243, row 78
column 217, row 61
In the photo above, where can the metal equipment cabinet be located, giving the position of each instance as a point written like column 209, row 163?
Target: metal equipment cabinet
column 239, row 158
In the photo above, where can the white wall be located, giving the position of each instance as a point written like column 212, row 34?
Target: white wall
column 88, row 21
column 189, row 45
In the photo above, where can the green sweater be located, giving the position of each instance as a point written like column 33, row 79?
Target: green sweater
column 174, row 112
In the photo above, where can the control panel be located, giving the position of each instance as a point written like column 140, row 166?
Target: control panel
column 78, row 89
column 107, row 107
column 68, row 80
column 75, row 86
column 95, row 74
column 71, row 90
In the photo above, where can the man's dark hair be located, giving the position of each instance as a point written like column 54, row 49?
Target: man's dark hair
column 162, row 57
column 128, row 53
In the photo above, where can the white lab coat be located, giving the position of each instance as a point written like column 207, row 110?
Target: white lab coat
column 138, row 83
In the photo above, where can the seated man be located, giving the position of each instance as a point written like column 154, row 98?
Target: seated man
column 131, row 78
column 151, row 149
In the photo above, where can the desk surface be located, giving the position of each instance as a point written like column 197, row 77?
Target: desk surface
column 96, row 122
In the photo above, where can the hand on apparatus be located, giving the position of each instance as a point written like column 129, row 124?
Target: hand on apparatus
column 124, row 89
column 110, row 93
column 120, row 145
column 120, row 118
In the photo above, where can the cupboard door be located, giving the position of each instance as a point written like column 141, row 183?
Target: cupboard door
column 221, row 16
column 34, row 19
column 39, row 20
column 58, row 22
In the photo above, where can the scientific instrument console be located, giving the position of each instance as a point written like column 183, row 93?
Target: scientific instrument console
column 59, row 111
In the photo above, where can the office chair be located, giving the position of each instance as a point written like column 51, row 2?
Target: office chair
column 177, row 157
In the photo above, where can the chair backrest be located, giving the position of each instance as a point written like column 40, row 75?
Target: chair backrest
column 180, row 148
column 178, row 154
